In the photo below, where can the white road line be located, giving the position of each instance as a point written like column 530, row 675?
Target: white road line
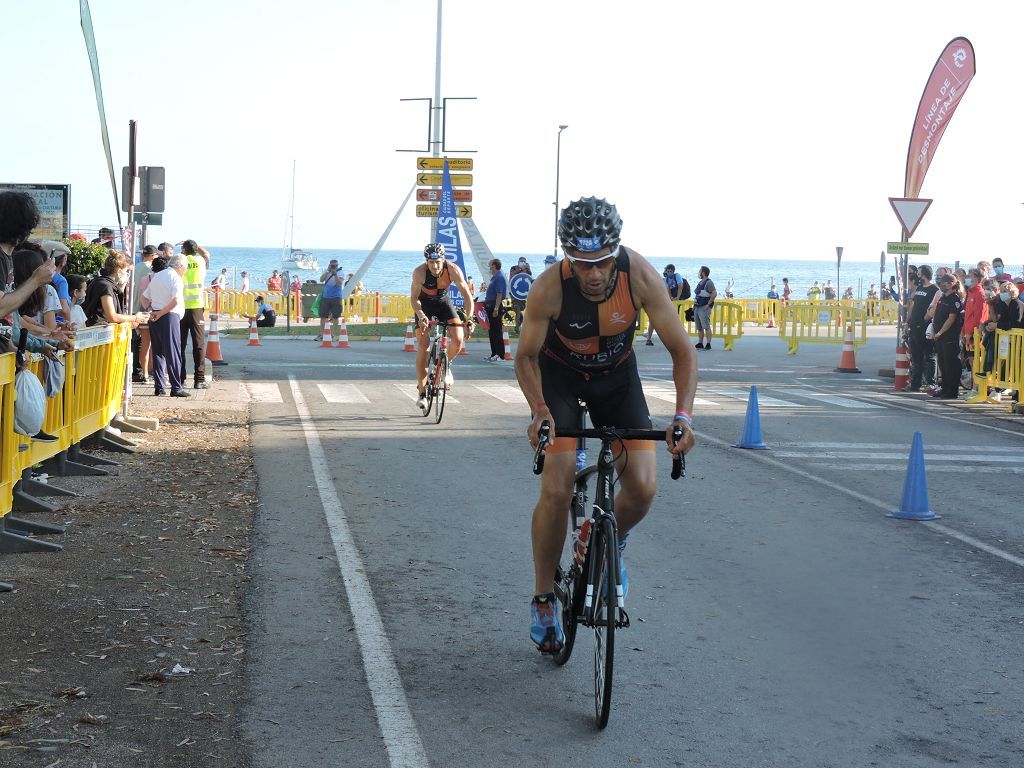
column 929, row 457
column 503, row 392
column 766, row 400
column 972, row 469
column 264, row 392
column 342, row 392
column 905, row 447
column 842, row 402
column 401, row 737
column 669, row 396
column 410, row 391
column 937, row 527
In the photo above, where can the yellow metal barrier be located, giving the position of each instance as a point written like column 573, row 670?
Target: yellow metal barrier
column 726, row 320
column 93, row 385
column 758, row 311
column 819, row 322
column 1007, row 366
column 378, row 308
column 243, row 303
column 755, row 310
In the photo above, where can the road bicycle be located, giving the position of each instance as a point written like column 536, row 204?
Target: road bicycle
column 583, row 585
column 437, row 369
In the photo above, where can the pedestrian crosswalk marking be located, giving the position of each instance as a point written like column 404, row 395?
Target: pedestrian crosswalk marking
column 342, row 392
column 766, row 400
column 264, row 391
column 503, row 392
column 842, row 402
column 955, row 457
column 899, row 467
column 410, row 391
column 669, row 396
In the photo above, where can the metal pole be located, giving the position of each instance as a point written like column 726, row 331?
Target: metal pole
column 558, row 171
column 435, row 140
column 133, row 171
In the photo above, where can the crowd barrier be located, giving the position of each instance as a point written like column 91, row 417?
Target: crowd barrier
column 726, row 320
column 363, row 308
column 764, row 312
column 94, row 378
column 819, row 322
column 1007, row 366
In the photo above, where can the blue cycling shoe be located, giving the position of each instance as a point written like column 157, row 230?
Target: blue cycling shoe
column 545, row 630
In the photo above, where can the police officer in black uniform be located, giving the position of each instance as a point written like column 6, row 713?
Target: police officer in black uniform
column 948, row 323
column 922, row 351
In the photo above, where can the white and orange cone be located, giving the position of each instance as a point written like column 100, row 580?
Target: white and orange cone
column 848, row 360
column 771, row 319
column 507, row 342
column 343, row 335
column 213, row 352
column 410, row 343
column 902, row 369
column 325, row 339
column 254, row 334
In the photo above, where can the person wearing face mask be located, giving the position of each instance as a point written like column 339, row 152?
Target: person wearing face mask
column 922, row 351
column 997, row 267
column 1009, row 309
column 518, row 305
column 104, row 297
column 948, row 323
column 975, row 310
column 678, row 290
column 76, row 289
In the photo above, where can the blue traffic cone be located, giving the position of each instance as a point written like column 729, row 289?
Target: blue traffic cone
column 914, row 504
column 752, row 429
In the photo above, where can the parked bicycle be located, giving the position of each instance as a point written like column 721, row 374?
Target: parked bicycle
column 584, row 585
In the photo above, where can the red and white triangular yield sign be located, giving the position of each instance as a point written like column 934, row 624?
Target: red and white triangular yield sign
column 910, row 211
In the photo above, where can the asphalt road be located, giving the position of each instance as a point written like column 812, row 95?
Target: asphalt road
column 779, row 618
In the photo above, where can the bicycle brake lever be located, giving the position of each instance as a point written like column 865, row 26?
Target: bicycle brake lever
column 678, row 462
column 542, row 443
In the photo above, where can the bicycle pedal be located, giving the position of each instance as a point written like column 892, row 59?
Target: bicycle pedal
column 623, row 621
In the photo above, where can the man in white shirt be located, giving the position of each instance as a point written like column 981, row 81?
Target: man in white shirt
column 245, row 282
column 166, row 296
column 220, row 282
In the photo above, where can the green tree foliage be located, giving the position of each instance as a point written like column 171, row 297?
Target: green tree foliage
column 85, row 258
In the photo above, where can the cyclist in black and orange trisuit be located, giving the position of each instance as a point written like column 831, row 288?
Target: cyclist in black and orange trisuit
column 577, row 345
column 430, row 299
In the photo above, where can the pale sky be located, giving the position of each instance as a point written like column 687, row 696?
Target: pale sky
column 753, row 129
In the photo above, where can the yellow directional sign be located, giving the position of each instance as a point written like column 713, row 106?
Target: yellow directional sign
column 462, row 211
column 434, row 179
column 437, row 163
column 916, row 249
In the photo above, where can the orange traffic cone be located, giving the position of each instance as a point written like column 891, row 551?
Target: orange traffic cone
column 325, row 339
column 902, row 369
column 848, row 360
column 410, row 345
column 343, row 335
column 254, row 335
column 507, row 342
column 771, row 319
column 213, row 353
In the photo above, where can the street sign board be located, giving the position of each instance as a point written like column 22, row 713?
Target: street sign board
column 910, row 211
column 915, row 249
column 434, row 179
column 519, row 285
column 462, row 211
column 149, row 219
column 434, row 195
column 437, row 163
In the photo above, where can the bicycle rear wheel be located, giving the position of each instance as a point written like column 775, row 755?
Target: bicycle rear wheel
column 569, row 588
column 441, row 386
column 605, row 613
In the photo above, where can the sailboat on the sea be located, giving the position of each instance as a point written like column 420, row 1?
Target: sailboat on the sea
column 292, row 257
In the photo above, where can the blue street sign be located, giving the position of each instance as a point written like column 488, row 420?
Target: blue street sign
column 519, row 285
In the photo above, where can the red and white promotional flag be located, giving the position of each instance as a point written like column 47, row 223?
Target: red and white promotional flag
column 946, row 86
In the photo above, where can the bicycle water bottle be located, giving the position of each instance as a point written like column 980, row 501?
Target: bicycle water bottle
column 582, row 539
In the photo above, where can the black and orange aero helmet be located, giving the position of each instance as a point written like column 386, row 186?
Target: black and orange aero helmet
column 589, row 224
column 433, row 251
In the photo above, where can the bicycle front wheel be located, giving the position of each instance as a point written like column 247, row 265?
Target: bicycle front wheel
column 605, row 613
column 569, row 586
column 441, row 387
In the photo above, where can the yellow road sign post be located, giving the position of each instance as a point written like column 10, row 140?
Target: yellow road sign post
column 462, row 211
column 437, row 163
column 434, row 179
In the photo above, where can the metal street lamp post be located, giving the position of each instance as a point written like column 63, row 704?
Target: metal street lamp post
column 558, row 168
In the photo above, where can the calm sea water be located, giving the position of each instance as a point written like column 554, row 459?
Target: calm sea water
column 391, row 270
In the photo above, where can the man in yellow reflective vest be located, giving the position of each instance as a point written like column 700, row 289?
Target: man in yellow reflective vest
column 194, row 322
